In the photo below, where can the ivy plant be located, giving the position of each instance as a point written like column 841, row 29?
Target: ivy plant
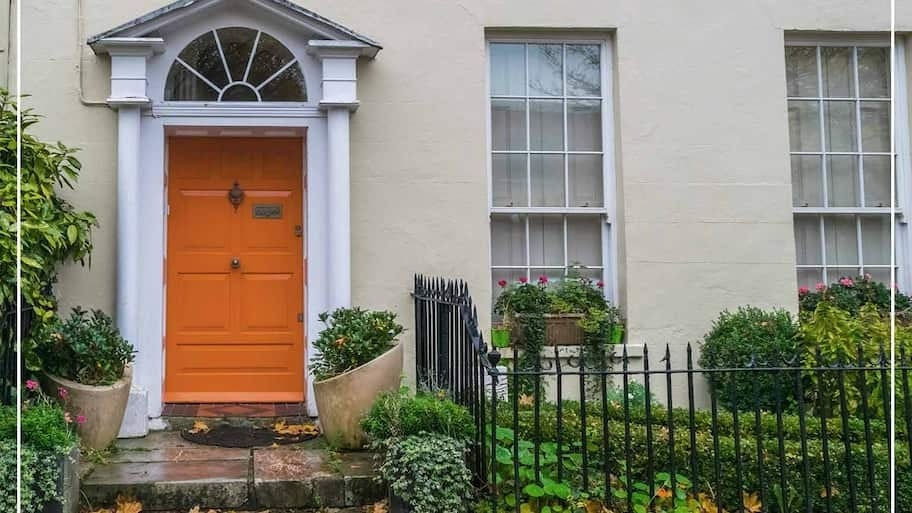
column 428, row 472
column 52, row 230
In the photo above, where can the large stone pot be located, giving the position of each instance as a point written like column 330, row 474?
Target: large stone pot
column 344, row 399
column 103, row 406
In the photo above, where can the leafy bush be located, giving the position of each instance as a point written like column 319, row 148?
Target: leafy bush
column 738, row 338
column 53, row 232
column 850, row 294
column 85, row 348
column 44, row 427
column 352, row 337
column 39, row 477
column 398, row 414
column 703, row 475
column 428, row 472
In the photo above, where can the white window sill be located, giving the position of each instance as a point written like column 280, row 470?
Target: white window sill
column 633, row 351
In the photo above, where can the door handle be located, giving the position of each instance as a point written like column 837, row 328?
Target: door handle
column 235, row 263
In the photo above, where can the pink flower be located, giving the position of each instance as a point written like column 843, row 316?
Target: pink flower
column 31, row 385
column 62, row 392
column 803, row 290
column 67, row 418
column 543, row 279
column 523, row 279
column 80, row 419
column 820, row 287
column 846, row 282
column 502, row 283
column 600, row 284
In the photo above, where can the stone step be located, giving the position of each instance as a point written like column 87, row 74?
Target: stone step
column 166, row 473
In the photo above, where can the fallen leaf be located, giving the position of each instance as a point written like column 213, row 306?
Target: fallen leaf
column 752, row 502
column 282, row 428
column 127, row 505
column 194, row 509
column 199, row 427
column 525, row 400
column 380, row 507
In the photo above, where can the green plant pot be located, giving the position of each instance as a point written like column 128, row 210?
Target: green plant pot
column 617, row 334
column 500, row 337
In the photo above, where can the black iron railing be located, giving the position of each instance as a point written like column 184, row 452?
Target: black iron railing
column 625, row 436
column 8, row 354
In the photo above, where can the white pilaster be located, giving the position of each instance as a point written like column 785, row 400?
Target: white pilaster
column 339, row 98
column 128, row 237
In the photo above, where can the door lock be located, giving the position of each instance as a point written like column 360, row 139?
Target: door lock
column 235, row 263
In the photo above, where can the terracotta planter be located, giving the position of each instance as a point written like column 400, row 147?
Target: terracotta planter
column 344, row 399
column 560, row 330
column 103, row 406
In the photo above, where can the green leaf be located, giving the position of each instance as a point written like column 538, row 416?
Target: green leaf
column 533, row 490
column 72, row 233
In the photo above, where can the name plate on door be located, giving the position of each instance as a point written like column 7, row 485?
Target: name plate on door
column 267, row 211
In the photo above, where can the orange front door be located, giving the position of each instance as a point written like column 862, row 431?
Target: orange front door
column 235, row 270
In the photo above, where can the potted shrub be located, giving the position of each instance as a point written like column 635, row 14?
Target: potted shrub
column 87, row 367
column 423, row 441
column 358, row 358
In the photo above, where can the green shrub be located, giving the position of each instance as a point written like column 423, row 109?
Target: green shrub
column 850, row 294
column 39, row 477
column 43, row 427
column 428, row 472
column 703, row 476
column 738, row 338
column 352, row 337
column 86, row 348
column 53, row 232
column 398, row 414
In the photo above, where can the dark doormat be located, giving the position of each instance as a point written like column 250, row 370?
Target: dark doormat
column 226, row 435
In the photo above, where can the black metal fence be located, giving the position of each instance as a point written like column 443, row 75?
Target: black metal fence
column 806, row 435
column 8, row 354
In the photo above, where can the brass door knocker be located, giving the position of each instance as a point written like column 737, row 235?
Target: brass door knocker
column 236, row 195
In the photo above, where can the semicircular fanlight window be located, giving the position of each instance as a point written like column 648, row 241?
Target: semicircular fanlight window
column 236, row 64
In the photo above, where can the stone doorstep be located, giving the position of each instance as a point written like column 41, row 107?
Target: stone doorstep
column 167, row 473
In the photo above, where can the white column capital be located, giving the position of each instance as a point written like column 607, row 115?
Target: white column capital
column 340, row 79
column 128, row 67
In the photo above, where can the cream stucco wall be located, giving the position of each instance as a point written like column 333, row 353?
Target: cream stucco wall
column 704, row 194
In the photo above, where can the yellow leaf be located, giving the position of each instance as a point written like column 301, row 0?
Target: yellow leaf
column 199, row 427
column 752, row 502
column 127, row 505
column 283, row 428
column 526, row 400
column 380, row 507
column 194, row 509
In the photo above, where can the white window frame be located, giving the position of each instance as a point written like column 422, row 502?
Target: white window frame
column 609, row 177
column 899, row 256
column 903, row 164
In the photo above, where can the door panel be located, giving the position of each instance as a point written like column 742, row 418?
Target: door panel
column 232, row 332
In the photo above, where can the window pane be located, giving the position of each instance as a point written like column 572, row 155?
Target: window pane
column 237, row 43
column 585, row 172
column 842, row 181
column 552, row 274
column 584, row 240
column 584, row 125
column 184, row 85
column 508, row 124
column 583, row 70
column 839, row 122
column 875, row 126
column 801, row 70
column 807, row 182
column 202, row 54
column 545, row 70
column 509, row 180
column 239, row 93
column 881, row 275
column 287, row 86
column 877, row 181
column 508, row 69
column 546, row 240
column 509, row 275
column 810, row 277
column 807, row 240
column 269, row 58
column 546, row 124
column 804, row 125
column 874, row 72
column 508, row 240
column 547, row 180
column 841, row 240
column 875, row 239
column 838, row 79
column 837, row 273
